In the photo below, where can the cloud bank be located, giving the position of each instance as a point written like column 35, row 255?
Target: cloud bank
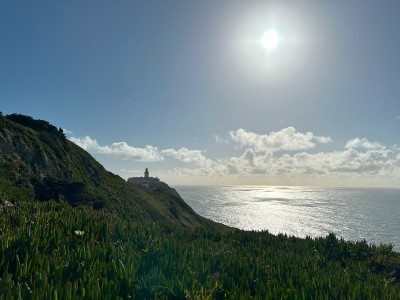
column 284, row 153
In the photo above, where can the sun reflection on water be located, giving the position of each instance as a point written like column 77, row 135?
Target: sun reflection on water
column 353, row 214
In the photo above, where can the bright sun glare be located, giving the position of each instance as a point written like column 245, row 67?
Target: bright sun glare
column 270, row 39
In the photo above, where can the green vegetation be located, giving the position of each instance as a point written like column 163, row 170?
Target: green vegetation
column 54, row 251
column 69, row 230
column 38, row 125
column 38, row 163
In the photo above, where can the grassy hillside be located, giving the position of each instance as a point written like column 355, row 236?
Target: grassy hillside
column 70, row 230
column 54, row 251
column 38, row 163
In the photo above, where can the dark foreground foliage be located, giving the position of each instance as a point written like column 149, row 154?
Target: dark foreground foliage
column 38, row 163
column 54, row 251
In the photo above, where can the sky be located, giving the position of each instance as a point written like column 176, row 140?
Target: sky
column 191, row 90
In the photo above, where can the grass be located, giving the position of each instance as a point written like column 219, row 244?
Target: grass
column 37, row 163
column 54, row 251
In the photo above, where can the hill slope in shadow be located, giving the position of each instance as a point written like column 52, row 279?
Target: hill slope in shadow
column 38, row 163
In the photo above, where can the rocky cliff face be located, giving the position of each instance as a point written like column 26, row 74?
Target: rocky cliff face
column 153, row 185
column 38, row 163
column 16, row 148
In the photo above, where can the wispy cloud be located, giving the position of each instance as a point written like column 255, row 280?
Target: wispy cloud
column 323, row 139
column 220, row 140
column 66, row 131
column 132, row 171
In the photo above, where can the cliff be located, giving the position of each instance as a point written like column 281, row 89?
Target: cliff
column 38, row 163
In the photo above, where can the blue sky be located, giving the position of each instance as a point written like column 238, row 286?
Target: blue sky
column 187, row 89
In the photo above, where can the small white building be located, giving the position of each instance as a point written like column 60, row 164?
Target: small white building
column 145, row 181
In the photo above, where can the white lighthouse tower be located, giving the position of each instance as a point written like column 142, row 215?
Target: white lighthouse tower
column 146, row 181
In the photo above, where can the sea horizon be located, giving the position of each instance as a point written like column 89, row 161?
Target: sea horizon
column 288, row 185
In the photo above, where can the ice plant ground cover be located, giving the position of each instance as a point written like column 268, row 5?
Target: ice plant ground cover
column 54, row 251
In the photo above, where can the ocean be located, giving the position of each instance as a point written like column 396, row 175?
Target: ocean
column 372, row 214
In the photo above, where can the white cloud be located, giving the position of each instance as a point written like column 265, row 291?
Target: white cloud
column 287, row 140
column 188, row 156
column 220, row 140
column 86, row 142
column 323, row 139
column 149, row 153
column 120, row 150
column 66, row 131
column 363, row 143
column 349, row 163
column 359, row 159
column 123, row 151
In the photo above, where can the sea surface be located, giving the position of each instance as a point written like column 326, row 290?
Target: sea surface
column 372, row 214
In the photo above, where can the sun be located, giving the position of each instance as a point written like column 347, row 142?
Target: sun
column 270, row 39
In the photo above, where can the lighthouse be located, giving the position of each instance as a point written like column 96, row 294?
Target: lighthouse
column 146, row 181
